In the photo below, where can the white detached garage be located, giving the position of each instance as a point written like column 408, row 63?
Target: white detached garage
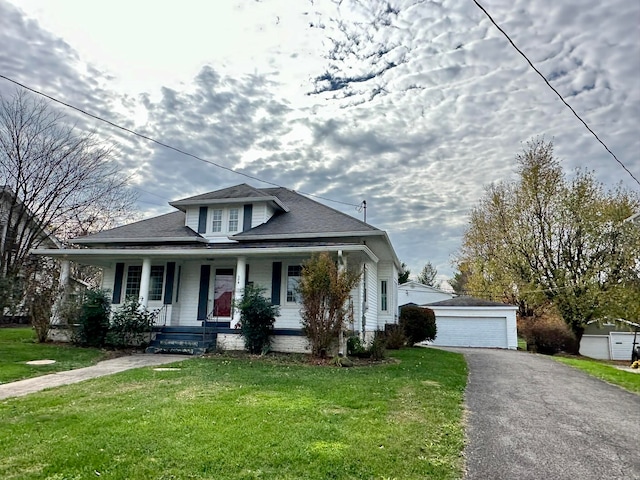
column 473, row 322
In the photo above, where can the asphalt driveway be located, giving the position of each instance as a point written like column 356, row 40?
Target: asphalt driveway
column 530, row 417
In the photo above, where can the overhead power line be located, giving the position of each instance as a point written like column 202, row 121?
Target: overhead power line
column 554, row 90
column 166, row 145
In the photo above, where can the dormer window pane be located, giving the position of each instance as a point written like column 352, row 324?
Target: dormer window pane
column 216, row 222
column 233, row 220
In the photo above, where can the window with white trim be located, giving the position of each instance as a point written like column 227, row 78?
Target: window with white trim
column 233, row 219
column 155, row 282
column 216, row 220
column 134, row 275
column 383, row 296
column 293, row 279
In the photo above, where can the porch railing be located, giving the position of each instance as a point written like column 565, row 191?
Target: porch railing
column 160, row 317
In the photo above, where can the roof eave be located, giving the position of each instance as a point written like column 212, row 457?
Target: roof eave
column 219, row 201
column 87, row 241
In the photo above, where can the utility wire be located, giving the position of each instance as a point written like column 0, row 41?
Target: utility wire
column 165, row 145
column 554, row 90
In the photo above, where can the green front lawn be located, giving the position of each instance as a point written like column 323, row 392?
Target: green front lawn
column 609, row 373
column 246, row 418
column 19, row 345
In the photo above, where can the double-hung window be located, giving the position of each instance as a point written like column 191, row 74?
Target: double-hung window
column 134, row 275
column 155, row 282
column 293, row 278
column 216, row 221
column 233, row 219
column 383, row 296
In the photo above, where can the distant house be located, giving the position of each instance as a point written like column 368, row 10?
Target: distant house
column 191, row 264
column 420, row 294
column 20, row 230
column 609, row 340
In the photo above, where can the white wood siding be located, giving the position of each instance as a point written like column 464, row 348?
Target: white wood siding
column 191, row 218
column 386, row 272
column 108, row 277
column 259, row 215
column 372, row 297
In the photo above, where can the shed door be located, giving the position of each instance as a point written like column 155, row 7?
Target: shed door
column 621, row 344
column 471, row 332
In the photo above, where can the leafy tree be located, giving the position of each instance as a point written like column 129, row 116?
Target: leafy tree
column 544, row 239
column 460, row 280
column 54, row 180
column 324, row 290
column 428, row 275
column 257, row 316
column 403, row 274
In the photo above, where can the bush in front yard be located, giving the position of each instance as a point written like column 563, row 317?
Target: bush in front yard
column 93, row 323
column 394, row 336
column 257, row 316
column 418, row 324
column 129, row 325
column 546, row 334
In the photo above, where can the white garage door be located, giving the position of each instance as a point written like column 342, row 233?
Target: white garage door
column 621, row 344
column 471, row 332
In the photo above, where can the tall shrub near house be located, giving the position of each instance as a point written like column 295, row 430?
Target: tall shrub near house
column 257, row 316
column 418, row 324
column 93, row 324
column 324, row 290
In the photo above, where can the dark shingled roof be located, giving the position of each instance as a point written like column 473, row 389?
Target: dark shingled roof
column 305, row 216
column 169, row 225
column 238, row 191
column 464, row 301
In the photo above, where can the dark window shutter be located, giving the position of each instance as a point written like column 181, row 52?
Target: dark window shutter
column 246, row 275
column 202, row 220
column 203, row 295
column 117, row 283
column 168, row 286
column 248, row 213
column 276, row 280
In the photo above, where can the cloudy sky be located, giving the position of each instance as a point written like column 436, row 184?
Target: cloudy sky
column 413, row 106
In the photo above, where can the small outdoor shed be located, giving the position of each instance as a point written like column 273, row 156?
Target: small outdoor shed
column 472, row 322
column 609, row 340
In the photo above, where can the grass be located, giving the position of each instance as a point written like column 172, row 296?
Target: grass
column 522, row 344
column 245, row 418
column 18, row 345
column 627, row 380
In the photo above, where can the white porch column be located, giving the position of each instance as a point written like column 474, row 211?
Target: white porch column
column 241, row 279
column 342, row 343
column 63, row 291
column 145, row 279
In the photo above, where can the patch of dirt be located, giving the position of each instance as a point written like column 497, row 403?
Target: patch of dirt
column 300, row 359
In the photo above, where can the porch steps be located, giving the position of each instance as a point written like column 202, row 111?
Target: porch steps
column 183, row 340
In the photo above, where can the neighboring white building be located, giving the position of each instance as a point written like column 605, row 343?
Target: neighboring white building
column 473, row 322
column 192, row 263
column 609, row 340
column 420, row 294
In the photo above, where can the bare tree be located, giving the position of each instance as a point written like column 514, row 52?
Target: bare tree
column 54, row 180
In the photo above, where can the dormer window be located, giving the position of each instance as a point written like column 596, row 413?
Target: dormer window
column 216, row 221
column 233, row 220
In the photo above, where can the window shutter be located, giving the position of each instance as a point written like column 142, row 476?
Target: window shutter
column 202, row 220
column 248, row 213
column 276, row 280
column 117, row 284
column 168, row 287
column 203, row 295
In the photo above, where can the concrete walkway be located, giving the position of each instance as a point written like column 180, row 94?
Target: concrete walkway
column 107, row 367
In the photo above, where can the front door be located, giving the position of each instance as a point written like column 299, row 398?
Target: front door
column 223, row 292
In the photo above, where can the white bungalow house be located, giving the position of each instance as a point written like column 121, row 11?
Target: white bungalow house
column 192, row 263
